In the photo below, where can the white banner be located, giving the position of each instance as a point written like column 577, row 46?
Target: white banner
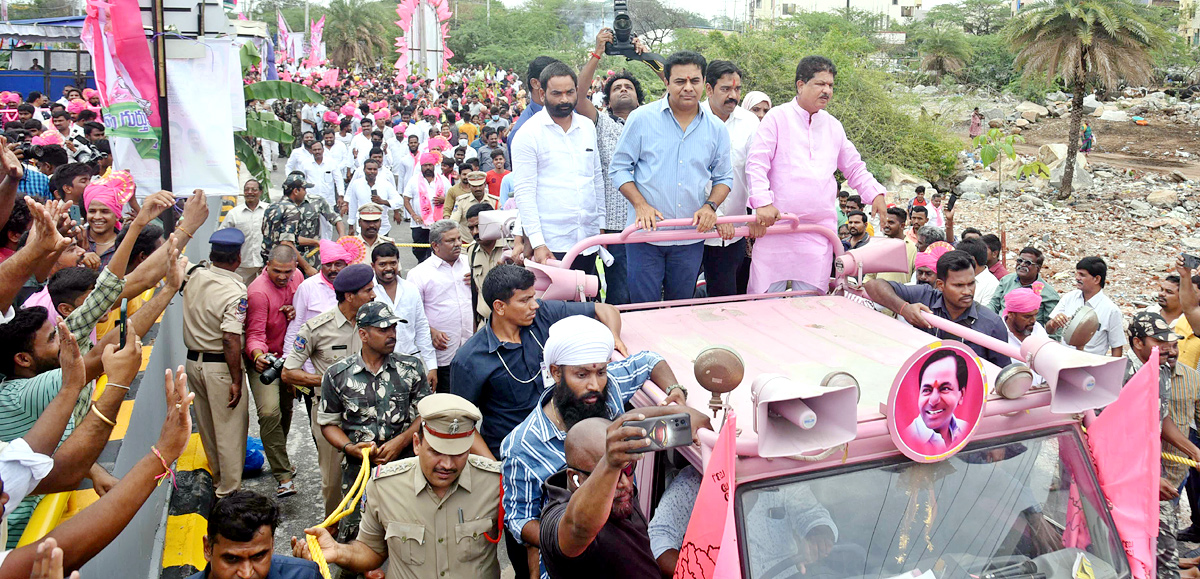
column 201, row 128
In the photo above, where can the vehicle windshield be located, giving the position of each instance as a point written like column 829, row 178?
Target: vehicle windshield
column 1027, row 508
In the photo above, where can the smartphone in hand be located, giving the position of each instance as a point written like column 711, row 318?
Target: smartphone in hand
column 124, row 323
column 1191, row 261
column 670, row 431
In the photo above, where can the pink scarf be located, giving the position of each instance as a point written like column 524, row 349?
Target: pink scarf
column 430, row 212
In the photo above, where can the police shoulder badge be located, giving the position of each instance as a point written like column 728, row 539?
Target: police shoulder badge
column 299, row 344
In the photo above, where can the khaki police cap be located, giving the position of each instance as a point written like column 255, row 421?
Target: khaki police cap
column 449, row 422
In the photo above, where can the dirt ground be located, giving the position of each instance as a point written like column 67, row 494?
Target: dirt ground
column 1155, row 147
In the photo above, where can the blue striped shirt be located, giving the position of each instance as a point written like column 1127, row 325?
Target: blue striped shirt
column 534, row 450
column 34, row 184
column 671, row 167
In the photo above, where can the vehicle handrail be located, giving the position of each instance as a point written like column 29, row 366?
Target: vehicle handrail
column 975, row 336
column 787, row 223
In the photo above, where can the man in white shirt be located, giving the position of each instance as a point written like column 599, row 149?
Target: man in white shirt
column 310, row 117
column 726, row 267
column 404, row 299
column 424, row 199
column 421, row 127
column 300, row 155
column 247, row 217
column 1090, row 276
column 371, row 188
column 444, row 280
column 559, row 184
column 325, row 175
column 985, row 282
column 385, row 173
column 360, row 144
column 400, row 158
column 344, row 132
column 337, row 153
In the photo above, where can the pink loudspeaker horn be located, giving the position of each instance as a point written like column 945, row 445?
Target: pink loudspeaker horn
column 881, row 255
column 792, row 418
column 1078, row 380
column 556, row 283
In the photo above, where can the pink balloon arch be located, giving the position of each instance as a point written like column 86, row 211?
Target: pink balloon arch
column 405, row 10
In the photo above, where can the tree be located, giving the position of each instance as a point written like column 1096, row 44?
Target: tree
column 655, row 22
column 984, row 17
column 358, row 31
column 991, row 63
column 944, row 51
column 1094, row 43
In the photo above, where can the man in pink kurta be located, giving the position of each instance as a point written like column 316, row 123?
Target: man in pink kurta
column 789, row 169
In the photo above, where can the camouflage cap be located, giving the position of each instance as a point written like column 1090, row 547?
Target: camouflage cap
column 1151, row 325
column 377, row 315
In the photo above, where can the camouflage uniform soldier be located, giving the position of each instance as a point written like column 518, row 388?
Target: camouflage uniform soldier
column 369, row 399
column 296, row 220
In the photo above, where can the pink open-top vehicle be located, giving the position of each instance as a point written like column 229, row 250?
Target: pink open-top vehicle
column 845, row 468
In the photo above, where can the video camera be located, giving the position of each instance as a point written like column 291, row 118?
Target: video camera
column 622, row 44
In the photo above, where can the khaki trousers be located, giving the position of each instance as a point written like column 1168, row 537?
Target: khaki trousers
column 269, row 402
column 222, row 429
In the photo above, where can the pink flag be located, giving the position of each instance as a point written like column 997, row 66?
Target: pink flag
column 710, row 530
column 318, row 29
column 112, row 33
column 1126, row 448
column 285, row 34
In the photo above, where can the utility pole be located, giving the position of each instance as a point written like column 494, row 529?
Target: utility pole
column 304, row 26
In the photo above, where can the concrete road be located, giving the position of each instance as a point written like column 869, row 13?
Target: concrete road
column 305, row 508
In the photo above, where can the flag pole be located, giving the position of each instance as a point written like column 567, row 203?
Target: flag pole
column 164, row 112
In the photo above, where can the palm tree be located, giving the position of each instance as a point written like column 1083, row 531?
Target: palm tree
column 944, row 51
column 357, row 31
column 1087, row 43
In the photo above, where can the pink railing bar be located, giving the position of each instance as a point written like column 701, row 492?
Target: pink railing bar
column 977, row 337
column 787, row 223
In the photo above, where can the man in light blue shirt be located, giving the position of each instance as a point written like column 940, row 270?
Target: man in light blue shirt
column 670, row 151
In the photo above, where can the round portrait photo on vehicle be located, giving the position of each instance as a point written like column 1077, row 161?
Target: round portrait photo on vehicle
column 936, row 401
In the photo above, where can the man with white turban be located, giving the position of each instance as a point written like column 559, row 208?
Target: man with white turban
column 581, row 383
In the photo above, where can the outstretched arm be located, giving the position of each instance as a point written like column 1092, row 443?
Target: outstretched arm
column 85, row 534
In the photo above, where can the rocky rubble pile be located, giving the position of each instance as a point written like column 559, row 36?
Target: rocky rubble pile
column 1138, row 225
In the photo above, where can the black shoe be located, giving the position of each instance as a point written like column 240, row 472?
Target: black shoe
column 1189, row 535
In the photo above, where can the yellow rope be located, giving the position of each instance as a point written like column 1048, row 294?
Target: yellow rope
column 1180, row 460
column 352, row 497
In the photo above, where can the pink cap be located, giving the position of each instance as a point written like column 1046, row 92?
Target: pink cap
column 329, row 117
column 380, row 115
column 430, row 159
column 332, row 251
column 347, row 109
column 353, row 92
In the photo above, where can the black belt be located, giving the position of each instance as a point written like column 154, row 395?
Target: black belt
column 206, row 356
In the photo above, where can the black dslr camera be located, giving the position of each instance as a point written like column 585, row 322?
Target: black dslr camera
column 622, row 44
column 274, row 367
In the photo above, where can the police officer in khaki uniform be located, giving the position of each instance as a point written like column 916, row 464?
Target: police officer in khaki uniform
column 431, row 516
column 370, row 217
column 326, row 339
column 214, row 312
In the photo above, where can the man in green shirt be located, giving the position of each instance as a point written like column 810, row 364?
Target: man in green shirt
column 1029, row 267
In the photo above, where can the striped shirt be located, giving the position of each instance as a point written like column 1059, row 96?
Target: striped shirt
column 534, row 450
column 1184, row 412
column 34, row 184
column 671, row 166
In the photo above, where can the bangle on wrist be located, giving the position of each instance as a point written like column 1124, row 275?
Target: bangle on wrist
column 344, row 448
column 112, row 385
column 102, row 417
column 594, row 55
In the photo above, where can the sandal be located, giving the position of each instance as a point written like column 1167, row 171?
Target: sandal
column 285, row 489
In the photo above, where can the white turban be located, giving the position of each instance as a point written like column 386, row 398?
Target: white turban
column 574, row 341
column 754, row 97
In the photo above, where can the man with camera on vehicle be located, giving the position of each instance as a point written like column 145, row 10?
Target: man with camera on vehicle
column 582, row 384
column 590, row 511
column 268, row 311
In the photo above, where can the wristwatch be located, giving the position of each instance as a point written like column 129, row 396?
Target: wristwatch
column 712, row 205
column 677, row 387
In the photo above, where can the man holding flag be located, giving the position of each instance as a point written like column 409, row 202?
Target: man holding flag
column 1179, row 389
